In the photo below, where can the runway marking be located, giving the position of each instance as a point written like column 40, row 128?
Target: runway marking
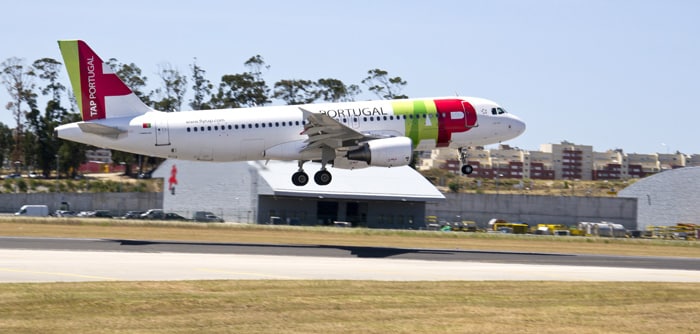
column 246, row 273
column 10, row 270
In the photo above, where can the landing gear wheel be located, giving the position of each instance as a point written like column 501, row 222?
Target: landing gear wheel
column 467, row 169
column 323, row 177
column 300, row 179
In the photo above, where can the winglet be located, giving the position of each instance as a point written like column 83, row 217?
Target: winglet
column 98, row 90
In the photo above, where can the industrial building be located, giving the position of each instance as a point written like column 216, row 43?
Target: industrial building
column 259, row 192
column 667, row 198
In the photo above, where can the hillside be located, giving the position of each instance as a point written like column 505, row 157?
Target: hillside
column 448, row 182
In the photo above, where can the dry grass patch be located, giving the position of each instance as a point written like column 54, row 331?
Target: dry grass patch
column 244, row 233
column 349, row 307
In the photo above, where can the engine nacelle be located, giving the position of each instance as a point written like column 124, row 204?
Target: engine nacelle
column 387, row 152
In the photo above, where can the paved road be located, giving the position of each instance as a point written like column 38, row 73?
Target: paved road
column 55, row 259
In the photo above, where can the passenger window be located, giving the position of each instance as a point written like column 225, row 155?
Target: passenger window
column 493, row 111
column 188, row 129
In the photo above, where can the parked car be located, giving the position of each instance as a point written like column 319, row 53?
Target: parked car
column 95, row 214
column 207, row 217
column 174, row 216
column 33, row 210
column 153, row 214
column 132, row 215
column 64, row 213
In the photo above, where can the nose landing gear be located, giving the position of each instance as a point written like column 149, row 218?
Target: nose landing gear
column 466, row 167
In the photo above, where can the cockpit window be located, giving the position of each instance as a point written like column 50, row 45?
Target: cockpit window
column 497, row 111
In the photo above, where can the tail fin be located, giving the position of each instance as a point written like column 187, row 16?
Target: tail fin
column 99, row 91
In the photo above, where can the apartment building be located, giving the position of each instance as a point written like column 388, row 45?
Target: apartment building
column 558, row 161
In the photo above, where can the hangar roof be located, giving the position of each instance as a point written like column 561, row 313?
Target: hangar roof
column 377, row 183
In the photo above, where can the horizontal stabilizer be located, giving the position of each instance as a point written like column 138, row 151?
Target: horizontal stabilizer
column 101, row 130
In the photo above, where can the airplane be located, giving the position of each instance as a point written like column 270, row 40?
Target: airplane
column 345, row 135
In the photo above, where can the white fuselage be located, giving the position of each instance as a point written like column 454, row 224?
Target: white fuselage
column 247, row 133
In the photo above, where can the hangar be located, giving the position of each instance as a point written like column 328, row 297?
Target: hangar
column 667, row 198
column 259, row 192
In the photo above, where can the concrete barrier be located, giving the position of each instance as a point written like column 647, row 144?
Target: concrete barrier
column 117, row 203
column 536, row 209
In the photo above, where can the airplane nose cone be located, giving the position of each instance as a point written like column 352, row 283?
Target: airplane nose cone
column 516, row 126
column 519, row 126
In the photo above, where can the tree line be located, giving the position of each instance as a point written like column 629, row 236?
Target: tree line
column 32, row 143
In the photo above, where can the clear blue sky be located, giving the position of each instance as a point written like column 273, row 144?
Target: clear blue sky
column 607, row 73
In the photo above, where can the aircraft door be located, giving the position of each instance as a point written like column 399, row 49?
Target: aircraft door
column 354, row 122
column 470, row 115
column 162, row 132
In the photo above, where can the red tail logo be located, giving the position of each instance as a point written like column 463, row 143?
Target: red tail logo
column 97, row 82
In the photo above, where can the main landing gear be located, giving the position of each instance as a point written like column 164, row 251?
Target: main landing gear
column 466, row 167
column 322, row 177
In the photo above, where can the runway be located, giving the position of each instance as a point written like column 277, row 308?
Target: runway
column 65, row 260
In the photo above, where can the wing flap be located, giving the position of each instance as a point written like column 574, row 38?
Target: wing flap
column 324, row 131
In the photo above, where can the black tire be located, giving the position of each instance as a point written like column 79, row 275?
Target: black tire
column 467, row 169
column 323, row 177
column 300, row 179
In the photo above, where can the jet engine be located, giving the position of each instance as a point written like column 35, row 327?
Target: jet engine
column 387, row 152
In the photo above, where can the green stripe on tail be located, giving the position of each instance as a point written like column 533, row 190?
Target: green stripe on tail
column 69, row 51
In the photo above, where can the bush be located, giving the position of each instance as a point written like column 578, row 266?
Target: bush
column 22, row 185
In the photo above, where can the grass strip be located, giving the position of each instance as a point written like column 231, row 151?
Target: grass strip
column 349, row 307
column 267, row 234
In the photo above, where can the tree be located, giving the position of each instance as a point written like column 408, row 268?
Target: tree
column 6, row 142
column 255, row 65
column 18, row 80
column 296, row 91
column 201, row 87
column 240, row 90
column 246, row 89
column 173, row 90
column 334, row 90
column 46, row 144
column 379, row 82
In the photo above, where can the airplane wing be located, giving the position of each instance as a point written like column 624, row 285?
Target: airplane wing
column 323, row 130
